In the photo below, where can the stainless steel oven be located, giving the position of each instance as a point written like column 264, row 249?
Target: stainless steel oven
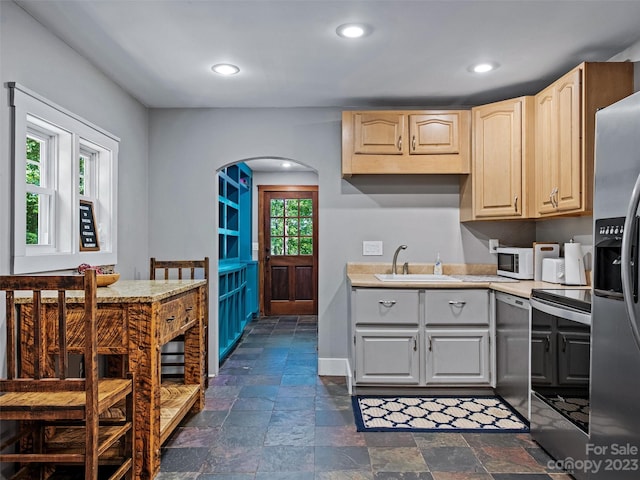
column 560, row 346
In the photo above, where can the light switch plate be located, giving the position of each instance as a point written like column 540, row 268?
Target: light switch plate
column 493, row 245
column 370, row 247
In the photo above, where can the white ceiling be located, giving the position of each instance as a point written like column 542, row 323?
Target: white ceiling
column 161, row 51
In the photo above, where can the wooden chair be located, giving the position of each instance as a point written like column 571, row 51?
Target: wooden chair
column 181, row 269
column 57, row 413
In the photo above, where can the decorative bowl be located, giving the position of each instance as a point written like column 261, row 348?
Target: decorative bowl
column 106, row 279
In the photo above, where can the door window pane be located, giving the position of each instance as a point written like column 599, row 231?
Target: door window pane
column 277, row 245
column 277, row 208
column 277, row 226
column 292, row 226
column 306, row 207
column 306, row 246
column 292, row 246
column 292, row 207
column 306, row 226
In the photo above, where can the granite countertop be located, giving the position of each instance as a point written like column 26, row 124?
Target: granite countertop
column 124, row 291
column 363, row 275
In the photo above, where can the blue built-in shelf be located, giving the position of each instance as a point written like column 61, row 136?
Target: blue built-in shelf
column 237, row 273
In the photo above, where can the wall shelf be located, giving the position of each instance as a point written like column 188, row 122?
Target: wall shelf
column 237, row 273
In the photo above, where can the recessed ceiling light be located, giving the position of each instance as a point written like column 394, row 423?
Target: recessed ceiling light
column 286, row 164
column 353, row 30
column 483, row 67
column 225, row 69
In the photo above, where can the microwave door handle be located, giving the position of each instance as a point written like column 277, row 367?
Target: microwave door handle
column 628, row 268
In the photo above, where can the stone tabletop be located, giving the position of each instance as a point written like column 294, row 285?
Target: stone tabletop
column 125, row 291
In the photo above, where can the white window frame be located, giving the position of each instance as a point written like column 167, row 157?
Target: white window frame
column 47, row 187
column 68, row 135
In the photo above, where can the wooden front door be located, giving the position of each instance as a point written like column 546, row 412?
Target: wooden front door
column 288, row 243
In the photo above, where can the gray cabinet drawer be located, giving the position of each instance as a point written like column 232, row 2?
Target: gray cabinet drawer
column 457, row 307
column 386, row 306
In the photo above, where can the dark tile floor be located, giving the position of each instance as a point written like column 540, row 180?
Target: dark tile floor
column 269, row 416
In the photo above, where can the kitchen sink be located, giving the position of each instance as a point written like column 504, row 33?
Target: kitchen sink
column 415, row 277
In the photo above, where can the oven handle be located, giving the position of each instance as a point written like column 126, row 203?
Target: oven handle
column 561, row 312
column 628, row 238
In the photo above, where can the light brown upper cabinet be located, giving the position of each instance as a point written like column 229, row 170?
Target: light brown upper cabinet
column 500, row 185
column 402, row 142
column 565, row 132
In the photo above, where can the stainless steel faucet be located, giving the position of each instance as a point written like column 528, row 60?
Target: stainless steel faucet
column 395, row 258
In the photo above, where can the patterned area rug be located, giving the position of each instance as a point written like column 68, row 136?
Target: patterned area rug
column 436, row 414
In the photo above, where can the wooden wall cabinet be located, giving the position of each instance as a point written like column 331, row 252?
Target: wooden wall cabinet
column 405, row 142
column 501, row 183
column 565, row 133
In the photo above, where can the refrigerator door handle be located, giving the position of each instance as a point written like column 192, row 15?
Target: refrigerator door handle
column 628, row 267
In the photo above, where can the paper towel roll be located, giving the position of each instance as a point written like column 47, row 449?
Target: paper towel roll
column 574, row 264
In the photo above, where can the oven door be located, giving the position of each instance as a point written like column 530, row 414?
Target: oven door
column 560, row 375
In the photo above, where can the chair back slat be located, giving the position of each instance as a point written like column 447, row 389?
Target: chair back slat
column 179, row 268
column 11, row 337
column 39, row 339
column 62, row 337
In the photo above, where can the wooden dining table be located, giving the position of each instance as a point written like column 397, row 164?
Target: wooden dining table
column 135, row 319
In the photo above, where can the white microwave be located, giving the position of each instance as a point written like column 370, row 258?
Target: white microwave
column 515, row 262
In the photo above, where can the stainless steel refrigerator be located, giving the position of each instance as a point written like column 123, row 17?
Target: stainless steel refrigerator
column 614, row 433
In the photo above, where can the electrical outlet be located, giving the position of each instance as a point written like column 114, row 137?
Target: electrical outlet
column 494, row 243
column 371, row 247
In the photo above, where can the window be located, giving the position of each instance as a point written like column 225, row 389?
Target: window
column 291, row 226
column 59, row 159
column 39, row 191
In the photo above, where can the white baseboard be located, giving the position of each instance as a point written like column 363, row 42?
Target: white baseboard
column 336, row 367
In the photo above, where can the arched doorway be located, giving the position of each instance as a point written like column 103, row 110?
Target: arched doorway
column 242, row 260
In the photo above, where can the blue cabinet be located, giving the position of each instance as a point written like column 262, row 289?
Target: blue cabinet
column 237, row 273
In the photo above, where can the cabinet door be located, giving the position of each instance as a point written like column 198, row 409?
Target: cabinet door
column 498, row 159
column 457, row 357
column 569, row 156
column 387, row 356
column 546, row 150
column 542, row 364
column 379, row 133
column 434, row 133
column 574, row 349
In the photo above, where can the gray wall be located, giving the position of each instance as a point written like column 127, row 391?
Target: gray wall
column 33, row 57
column 188, row 146
column 41, row 62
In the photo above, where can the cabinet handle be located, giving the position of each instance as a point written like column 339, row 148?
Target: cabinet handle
column 413, row 143
column 189, row 309
column 387, row 303
column 415, row 344
column 515, row 203
column 400, row 143
column 457, row 303
column 564, row 343
column 553, row 197
column 429, row 342
column 547, row 343
column 170, row 319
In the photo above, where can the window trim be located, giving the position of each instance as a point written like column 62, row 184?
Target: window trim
column 32, row 111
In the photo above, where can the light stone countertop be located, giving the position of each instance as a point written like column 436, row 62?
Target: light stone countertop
column 124, row 291
column 363, row 275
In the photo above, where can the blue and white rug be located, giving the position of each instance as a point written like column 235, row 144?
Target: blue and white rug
column 436, row 414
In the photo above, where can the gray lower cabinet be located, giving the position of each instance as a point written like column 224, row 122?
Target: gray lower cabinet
column 387, row 355
column 420, row 337
column 457, row 334
column 457, row 356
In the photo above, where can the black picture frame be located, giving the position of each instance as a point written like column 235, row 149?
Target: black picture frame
column 88, row 231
